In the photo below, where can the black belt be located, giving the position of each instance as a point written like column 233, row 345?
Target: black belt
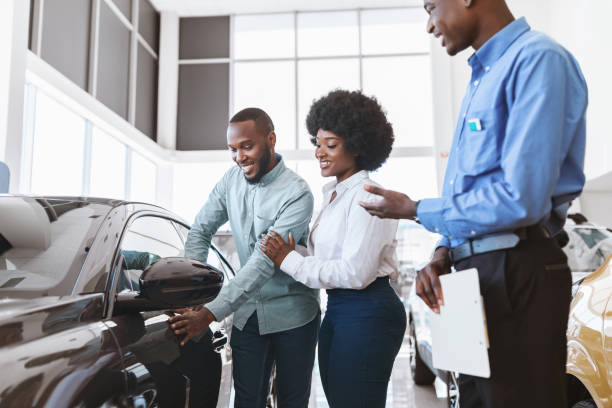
column 496, row 242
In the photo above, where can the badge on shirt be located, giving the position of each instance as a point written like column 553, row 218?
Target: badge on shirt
column 475, row 125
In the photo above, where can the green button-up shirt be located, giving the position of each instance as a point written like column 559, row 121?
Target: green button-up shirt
column 281, row 201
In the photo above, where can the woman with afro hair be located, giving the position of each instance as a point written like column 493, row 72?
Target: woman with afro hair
column 350, row 253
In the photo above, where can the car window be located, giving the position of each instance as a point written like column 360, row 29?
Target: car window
column 224, row 242
column 146, row 240
column 215, row 255
column 588, row 247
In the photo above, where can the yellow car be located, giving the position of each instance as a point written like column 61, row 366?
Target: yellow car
column 589, row 341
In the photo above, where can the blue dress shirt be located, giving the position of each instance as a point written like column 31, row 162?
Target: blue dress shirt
column 517, row 155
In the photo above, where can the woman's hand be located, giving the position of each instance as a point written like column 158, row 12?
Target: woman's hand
column 275, row 247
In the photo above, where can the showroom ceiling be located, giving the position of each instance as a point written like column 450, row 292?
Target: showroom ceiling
column 187, row 8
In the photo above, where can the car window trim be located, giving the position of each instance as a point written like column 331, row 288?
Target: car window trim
column 112, row 290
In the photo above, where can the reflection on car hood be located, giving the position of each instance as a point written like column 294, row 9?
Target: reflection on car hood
column 24, row 320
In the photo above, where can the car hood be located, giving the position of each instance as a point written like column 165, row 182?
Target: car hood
column 23, row 320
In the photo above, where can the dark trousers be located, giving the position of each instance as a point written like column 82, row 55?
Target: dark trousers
column 527, row 293
column 360, row 337
column 253, row 356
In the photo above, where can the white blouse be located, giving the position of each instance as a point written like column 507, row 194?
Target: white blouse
column 347, row 247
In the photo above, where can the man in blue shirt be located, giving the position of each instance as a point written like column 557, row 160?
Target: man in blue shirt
column 276, row 319
column 516, row 161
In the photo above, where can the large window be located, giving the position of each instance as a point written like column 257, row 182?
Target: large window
column 57, row 148
column 282, row 62
column 67, row 153
column 108, row 157
column 192, row 184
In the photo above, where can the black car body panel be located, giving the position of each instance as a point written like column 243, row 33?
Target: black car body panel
column 62, row 341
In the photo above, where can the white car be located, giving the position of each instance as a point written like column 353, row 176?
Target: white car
column 586, row 245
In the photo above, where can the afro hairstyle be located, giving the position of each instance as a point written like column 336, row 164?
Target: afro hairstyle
column 359, row 120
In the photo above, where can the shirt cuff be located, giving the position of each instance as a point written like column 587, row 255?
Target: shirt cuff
column 291, row 263
column 302, row 250
column 430, row 213
column 219, row 308
column 444, row 242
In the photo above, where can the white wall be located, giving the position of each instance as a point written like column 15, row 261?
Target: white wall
column 14, row 17
column 6, row 41
column 584, row 28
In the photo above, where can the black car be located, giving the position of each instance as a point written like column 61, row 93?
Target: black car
column 85, row 288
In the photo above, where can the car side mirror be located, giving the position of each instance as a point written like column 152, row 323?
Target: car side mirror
column 170, row 283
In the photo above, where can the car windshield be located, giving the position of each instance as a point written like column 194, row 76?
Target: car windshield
column 588, row 248
column 44, row 241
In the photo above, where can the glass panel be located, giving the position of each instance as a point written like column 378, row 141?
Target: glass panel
column 214, row 261
column 422, row 184
column 264, row 36
column 59, row 135
column 143, row 185
column 315, row 79
column 414, row 248
column 44, row 242
column 329, row 33
column 271, row 87
column 224, row 242
column 192, row 184
column 203, row 106
column 107, row 166
column 394, row 31
column 403, row 85
column 147, row 240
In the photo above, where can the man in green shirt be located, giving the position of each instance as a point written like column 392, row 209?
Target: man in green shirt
column 276, row 319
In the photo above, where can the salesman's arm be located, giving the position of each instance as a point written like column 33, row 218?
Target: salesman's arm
column 532, row 153
column 295, row 217
column 532, row 150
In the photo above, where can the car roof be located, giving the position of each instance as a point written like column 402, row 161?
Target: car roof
column 108, row 202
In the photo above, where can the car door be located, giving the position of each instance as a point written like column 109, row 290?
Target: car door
column 161, row 372
column 219, row 260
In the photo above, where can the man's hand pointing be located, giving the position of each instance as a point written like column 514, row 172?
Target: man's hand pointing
column 392, row 205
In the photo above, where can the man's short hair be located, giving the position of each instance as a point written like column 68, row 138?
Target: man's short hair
column 263, row 123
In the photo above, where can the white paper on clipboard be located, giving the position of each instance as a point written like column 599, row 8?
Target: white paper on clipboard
column 459, row 334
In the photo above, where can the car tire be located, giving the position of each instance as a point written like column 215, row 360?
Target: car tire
column 585, row 404
column 421, row 374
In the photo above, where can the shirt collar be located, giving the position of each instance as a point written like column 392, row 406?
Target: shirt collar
column 275, row 172
column 494, row 48
column 345, row 184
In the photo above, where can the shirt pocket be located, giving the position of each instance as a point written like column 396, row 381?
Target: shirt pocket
column 481, row 142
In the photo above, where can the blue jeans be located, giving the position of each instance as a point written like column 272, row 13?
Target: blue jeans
column 360, row 337
column 253, row 355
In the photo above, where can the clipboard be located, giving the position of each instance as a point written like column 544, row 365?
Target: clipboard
column 459, row 334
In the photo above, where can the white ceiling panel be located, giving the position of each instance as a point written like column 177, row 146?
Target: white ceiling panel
column 186, row 8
